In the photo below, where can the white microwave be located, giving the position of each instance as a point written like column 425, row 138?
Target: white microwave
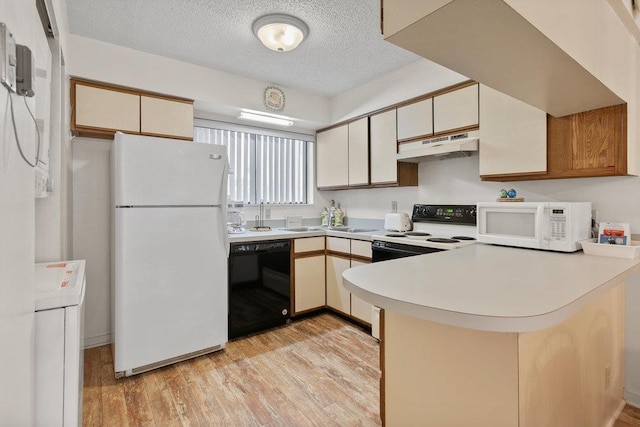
column 551, row 226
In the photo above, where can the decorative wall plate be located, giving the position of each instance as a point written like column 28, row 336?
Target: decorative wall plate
column 274, row 98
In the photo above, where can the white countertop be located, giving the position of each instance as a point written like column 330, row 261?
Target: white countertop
column 59, row 284
column 280, row 233
column 488, row 287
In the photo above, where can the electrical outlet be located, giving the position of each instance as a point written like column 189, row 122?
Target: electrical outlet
column 267, row 213
column 8, row 59
column 607, row 377
column 394, row 206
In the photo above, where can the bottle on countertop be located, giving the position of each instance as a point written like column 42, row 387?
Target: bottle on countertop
column 332, row 214
column 338, row 217
column 324, row 217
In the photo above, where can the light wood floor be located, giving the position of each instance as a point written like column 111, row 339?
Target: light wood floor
column 629, row 417
column 318, row 371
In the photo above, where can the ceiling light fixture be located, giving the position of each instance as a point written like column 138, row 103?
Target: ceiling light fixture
column 280, row 32
column 273, row 119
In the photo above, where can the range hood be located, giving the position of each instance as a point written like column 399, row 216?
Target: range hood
column 442, row 147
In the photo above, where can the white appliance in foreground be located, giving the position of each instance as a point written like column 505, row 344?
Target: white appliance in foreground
column 169, row 280
column 59, row 356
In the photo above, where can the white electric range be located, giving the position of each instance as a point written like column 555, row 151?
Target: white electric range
column 435, row 228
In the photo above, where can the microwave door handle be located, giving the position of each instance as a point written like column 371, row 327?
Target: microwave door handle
column 543, row 239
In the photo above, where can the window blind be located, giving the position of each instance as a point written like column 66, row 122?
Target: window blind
column 263, row 167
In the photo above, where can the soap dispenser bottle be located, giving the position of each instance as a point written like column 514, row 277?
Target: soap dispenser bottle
column 324, row 217
column 339, row 216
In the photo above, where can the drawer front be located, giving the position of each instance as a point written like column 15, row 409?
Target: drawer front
column 338, row 244
column 361, row 248
column 308, row 244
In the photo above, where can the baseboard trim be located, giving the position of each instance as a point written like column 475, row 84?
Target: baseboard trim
column 96, row 341
column 611, row 422
column 632, row 398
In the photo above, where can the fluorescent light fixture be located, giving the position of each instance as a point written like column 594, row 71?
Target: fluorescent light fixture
column 273, row 119
column 280, row 32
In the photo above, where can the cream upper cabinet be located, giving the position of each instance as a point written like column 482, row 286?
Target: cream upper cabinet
column 383, row 147
column 457, row 109
column 415, row 120
column 106, row 109
column 332, row 157
column 513, row 135
column 101, row 109
column 166, row 117
column 359, row 152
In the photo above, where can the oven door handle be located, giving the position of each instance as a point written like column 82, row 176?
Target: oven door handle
column 396, row 251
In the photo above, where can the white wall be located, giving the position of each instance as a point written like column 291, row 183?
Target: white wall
column 17, row 228
column 213, row 91
column 415, row 79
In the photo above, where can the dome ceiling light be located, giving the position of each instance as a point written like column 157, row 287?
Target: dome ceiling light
column 280, row 32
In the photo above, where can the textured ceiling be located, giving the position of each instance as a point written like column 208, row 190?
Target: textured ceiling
column 344, row 48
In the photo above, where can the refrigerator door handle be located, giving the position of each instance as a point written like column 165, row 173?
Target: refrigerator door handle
column 223, row 217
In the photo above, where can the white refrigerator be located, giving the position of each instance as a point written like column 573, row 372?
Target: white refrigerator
column 169, row 251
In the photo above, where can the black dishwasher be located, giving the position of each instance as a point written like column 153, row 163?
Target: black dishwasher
column 259, row 286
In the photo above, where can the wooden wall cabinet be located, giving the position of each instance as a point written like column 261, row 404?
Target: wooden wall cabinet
column 308, row 274
column 588, row 144
column 100, row 110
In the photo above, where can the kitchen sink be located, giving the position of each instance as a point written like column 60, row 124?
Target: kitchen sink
column 343, row 229
column 302, row 229
column 351, row 229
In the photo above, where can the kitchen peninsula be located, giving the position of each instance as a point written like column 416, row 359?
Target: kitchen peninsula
column 493, row 336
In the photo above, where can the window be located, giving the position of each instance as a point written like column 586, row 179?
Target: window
column 264, row 166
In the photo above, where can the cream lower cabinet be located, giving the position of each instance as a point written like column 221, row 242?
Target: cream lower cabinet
column 337, row 296
column 308, row 274
column 347, row 253
column 360, row 309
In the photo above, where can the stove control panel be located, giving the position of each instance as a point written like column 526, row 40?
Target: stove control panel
column 450, row 214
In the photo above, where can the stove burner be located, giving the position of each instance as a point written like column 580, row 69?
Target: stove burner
column 417, row 234
column 463, row 238
column 441, row 240
column 395, row 235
